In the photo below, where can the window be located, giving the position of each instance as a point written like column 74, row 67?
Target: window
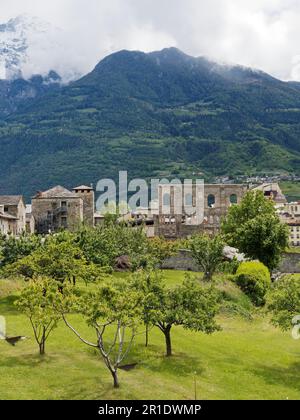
column 211, row 200
column 233, row 199
column 63, row 204
column 166, row 199
column 189, row 199
column 5, row 209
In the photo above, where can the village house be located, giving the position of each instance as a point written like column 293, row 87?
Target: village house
column 12, row 215
column 272, row 191
column 294, row 231
column 30, row 223
column 7, row 223
column 58, row 208
column 289, row 214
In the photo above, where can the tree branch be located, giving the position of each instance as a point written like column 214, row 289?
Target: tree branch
column 78, row 335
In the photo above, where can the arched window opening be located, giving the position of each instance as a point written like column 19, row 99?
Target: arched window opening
column 233, row 199
column 211, row 201
column 166, row 199
column 189, row 199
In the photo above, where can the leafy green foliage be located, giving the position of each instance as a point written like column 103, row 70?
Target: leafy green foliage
column 189, row 305
column 37, row 301
column 114, row 306
column 254, row 279
column 104, row 244
column 12, row 249
column 75, row 372
column 255, row 229
column 208, row 253
column 59, row 258
column 159, row 249
column 284, row 301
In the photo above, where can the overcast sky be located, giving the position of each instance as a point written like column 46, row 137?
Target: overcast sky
column 264, row 34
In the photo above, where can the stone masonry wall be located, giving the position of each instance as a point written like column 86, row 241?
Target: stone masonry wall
column 183, row 260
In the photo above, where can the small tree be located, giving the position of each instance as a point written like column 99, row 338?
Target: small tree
column 110, row 309
column 159, row 249
column 188, row 305
column 37, row 301
column 255, row 229
column 13, row 249
column 104, row 244
column 283, row 301
column 149, row 284
column 208, row 253
column 59, row 258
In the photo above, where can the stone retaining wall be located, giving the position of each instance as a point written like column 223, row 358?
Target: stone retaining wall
column 183, row 260
column 290, row 263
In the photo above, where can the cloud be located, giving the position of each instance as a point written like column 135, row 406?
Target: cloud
column 259, row 33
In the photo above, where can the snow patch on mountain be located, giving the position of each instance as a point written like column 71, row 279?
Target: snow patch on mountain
column 29, row 45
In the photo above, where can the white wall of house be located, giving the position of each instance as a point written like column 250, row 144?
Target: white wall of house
column 295, row 235
column 4, row 226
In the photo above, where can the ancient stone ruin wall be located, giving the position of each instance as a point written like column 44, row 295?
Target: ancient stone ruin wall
column 217, row 198
column 290, row 263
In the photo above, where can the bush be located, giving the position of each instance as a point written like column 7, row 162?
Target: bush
column 229, row 267
column 254, row 279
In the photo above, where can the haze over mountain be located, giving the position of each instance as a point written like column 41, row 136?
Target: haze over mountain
column 158, row 114
column 29, row 46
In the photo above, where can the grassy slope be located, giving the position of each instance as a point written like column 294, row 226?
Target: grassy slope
column 291, row 190
column 246, row 360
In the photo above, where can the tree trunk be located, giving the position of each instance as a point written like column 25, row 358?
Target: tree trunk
column 115, row 378
column 147, row 335
column 42, row 343
column 167, row 333
column 42, row 348
column 207, row 276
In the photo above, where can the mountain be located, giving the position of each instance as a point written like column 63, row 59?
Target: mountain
column 17, row 37
column 14, row 93
column 158, row 114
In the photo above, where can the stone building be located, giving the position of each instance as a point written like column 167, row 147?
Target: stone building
column 88, row 197
column 294, row 231
column 272, row 191
column 30, row 223
column 13, row 214
column 215, row 199
column 7, row 224
column 292, row 209
column 289, row 214
column 59, row 208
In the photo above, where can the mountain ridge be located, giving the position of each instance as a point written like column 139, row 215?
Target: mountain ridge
column 156, row 114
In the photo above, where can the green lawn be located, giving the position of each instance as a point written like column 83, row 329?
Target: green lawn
column 291, row 190
column 246, row 360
